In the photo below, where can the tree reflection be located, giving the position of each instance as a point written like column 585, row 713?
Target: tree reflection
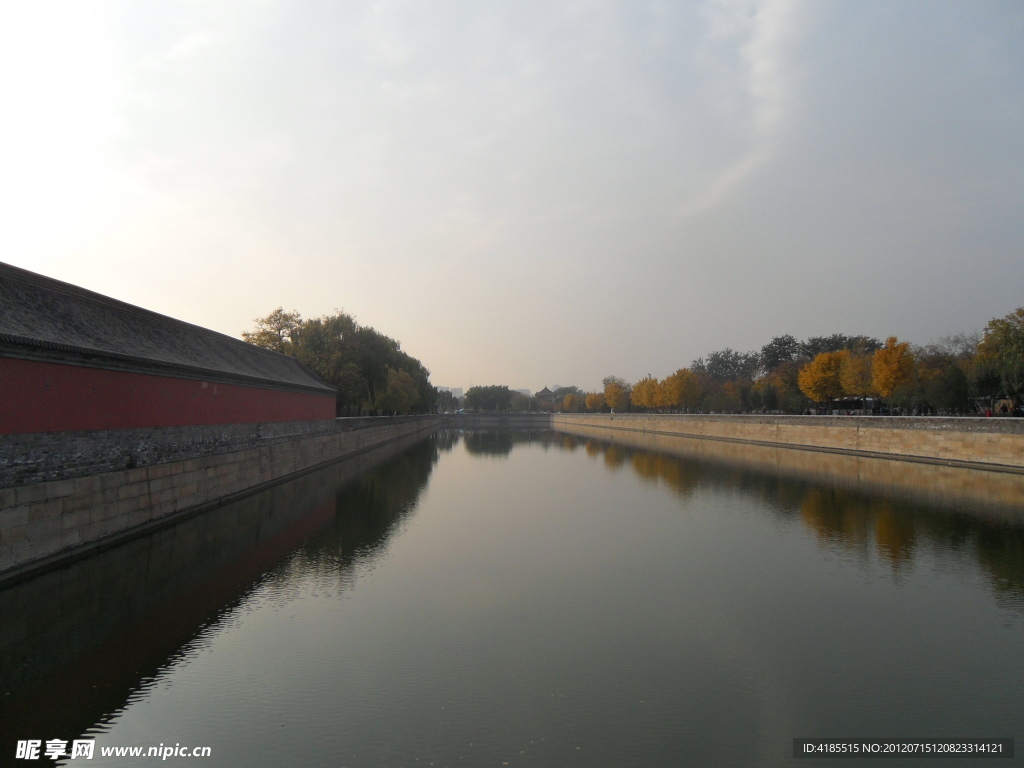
column 836, row 517
column 615, row 457
column 894, row 534
column 500, row 442
column 896, row 529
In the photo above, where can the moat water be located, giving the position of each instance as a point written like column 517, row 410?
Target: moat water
column 515, row 598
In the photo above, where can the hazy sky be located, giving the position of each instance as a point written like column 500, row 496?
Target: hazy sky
column 525, row 193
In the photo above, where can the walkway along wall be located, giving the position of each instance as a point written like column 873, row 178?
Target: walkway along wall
column 979, row 443
column 42, row 523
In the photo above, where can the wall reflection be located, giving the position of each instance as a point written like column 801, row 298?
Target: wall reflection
column 842, row 502
column 79, row 642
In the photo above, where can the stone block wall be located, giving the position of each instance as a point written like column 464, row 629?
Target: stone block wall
column 498, row 420
column 42, row 456
column 989, row 494
column 51, row 519
column 172, row 581
column 996, row 443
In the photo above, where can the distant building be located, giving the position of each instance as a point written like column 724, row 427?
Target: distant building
column 73, row 360
column 456, row 391
column 545, row 394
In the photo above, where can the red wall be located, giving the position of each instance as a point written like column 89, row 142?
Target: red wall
column 49, row 397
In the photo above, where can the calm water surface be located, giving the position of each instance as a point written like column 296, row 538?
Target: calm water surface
column 503, row 598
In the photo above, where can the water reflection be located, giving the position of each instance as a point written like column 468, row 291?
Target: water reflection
column 78, row 643
column 896, row 527
column 500, row 442
column 584, row 602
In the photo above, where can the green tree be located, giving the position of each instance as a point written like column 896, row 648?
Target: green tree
column 354, row 358
column 278, row 331
column 400, row 394
column 781, row 349
column 446, row 401
column 1002, row 352
column 490, row 398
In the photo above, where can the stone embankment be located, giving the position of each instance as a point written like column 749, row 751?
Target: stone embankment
column 498, row 420
column 980, row 443
column 79, row 497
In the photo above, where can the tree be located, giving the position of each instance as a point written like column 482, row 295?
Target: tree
column 493, row 398
column 764, row 394
column 892, row 367
column 645, row 393
column 595, row 401
column 683, row 389
column 616, row 393
column 561, row 392
column 815, row 345
column 662, row 395
column 837, row 342
column 520, row 402
column 571, row 403
column 446, row 401
column 855, row 375
column 820, row 378
column 727, row 364
column 353, row 358
column 278, row 331
column 781, row 349
column 400, row 394
column 1002, row 352
column 948, row 391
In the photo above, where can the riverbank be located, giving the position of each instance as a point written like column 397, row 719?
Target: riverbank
column 974, row 443
column 45, row 523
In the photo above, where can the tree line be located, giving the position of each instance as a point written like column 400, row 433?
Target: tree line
column 961, row 374
column 499, row 397
column 370, row 371
column 958, row 375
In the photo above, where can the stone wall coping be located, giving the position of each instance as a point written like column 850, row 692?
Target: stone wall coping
column 994, row 424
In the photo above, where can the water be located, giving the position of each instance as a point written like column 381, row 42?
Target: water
column 537, row 599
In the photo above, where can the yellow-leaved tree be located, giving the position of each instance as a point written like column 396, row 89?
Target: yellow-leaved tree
column 820, row 378
column 856, row 376
column 645, row 393
column 616, row 395
column 683, row 389
column 594, row 401
column 892, row 367
column 571, row 403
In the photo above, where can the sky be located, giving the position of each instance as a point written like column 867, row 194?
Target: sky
column 525, row 193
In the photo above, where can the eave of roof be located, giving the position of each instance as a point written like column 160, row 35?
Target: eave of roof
column 46, row 319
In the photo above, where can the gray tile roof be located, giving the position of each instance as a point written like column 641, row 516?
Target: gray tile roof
column 46, row 319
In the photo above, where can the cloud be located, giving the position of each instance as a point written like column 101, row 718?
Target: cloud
column 744, row 54
column 191, row 44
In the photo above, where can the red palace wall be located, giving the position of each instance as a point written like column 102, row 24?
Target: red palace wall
column 49, row 397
